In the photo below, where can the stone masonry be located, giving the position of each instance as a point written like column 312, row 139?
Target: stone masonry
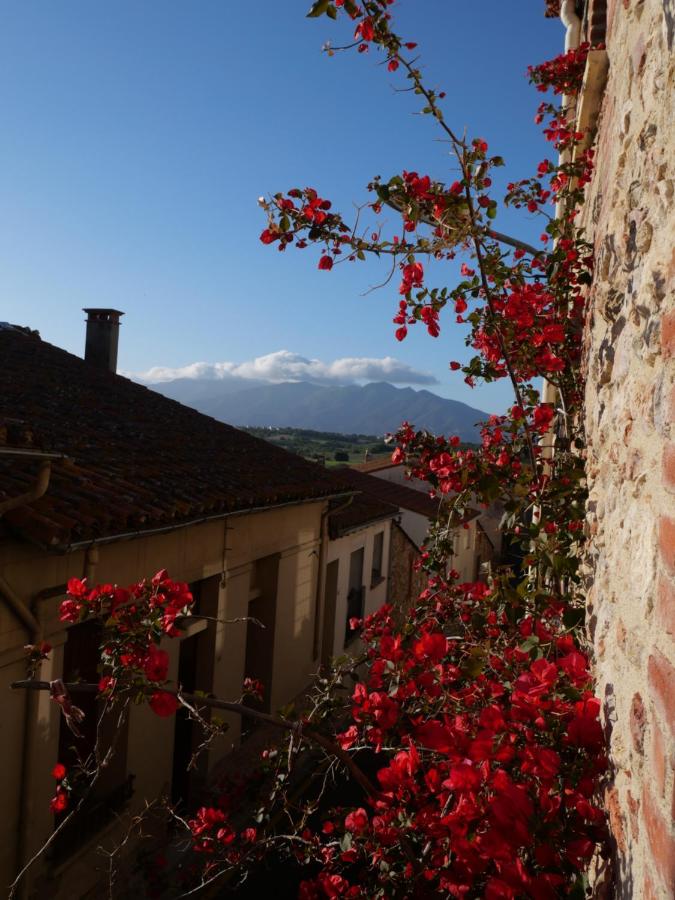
column 630, row 406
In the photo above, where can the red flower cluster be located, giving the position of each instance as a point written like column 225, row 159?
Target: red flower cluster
column 564, row 73
column 493, row 786
column 59, row 802
column 136, row 619
column 212, row 833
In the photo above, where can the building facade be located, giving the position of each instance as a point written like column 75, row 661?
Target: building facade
column 104, row 479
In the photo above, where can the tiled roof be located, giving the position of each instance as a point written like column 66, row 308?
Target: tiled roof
column 363, row 510
column 375, row 465
column 389, row 492
column 137, row 461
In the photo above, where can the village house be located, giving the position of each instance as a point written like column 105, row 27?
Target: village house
column 356, row 569
column 103, row 478
column 476, row 544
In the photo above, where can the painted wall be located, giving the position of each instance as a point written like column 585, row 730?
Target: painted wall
column 340, row 550
column 220, row 554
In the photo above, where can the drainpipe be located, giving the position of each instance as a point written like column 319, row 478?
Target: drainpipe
column 30, row 621
column 572, row 23
column 91, row 558
column 20, row 610
column 38, row 490
column 30, row 721
column 27, row 614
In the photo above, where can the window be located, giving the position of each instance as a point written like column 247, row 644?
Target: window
column 378, row 552
column 355, row 595
column 114, row 786
column 262, row 607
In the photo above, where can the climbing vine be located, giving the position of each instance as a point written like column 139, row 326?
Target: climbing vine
column 469, row 724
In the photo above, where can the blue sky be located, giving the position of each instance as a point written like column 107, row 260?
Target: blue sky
column 137, row 136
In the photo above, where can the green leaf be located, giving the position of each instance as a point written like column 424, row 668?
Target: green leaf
column 488, row 485
column 492, row 212
column 331, row 12
column 350, row 7
column 475, row 664
column 318, row 9
column 529, row 643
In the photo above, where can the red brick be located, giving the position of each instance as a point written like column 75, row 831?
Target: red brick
column 633, row 816
column 615, row 818
column 658, row 755
column 665, row 605
column 668, row 334
column 649, row 892
column 661, row 841
column 667, row 541
column 621, row 634
column 662, row 684
column 637, row 723
column 669, row 466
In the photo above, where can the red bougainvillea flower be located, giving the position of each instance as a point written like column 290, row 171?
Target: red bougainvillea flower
column 106, row 683
column 357, row 821
column 542, row 417
column 365, row 30
column 59, row 801
column 326, row 262
column 59, row 772
column 163, row 704
column 156, row 665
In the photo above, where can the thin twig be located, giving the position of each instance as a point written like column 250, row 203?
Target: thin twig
column 214, row 702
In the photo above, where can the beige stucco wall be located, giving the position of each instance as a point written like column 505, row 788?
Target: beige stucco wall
column 630, row 402
column 223, row 551
column 341, row 549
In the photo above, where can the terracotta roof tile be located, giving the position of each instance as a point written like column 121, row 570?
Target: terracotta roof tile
column 136, row 459
column 397, row 495
column 363, row 510
column 375, row 465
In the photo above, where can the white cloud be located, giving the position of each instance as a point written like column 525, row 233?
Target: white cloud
column 286, row 366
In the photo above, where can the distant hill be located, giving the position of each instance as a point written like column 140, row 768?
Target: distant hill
column 374, row 408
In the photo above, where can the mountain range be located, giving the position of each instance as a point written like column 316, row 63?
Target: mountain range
column 375, row 408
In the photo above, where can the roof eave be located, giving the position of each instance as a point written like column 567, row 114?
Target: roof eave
column 74, row 546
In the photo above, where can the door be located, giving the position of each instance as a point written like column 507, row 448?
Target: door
column 329, row 609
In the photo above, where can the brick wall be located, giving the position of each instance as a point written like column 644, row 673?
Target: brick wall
column 630, row 408
column 405, row 584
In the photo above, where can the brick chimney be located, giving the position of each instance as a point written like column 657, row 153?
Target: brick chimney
column 103, row 328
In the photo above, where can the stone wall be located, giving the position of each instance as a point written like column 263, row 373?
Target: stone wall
column 630, row 405
column 405, row 584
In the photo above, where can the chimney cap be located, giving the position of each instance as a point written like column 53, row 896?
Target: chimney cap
column 100, row 311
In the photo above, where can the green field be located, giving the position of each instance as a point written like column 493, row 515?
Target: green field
column 324, row 446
